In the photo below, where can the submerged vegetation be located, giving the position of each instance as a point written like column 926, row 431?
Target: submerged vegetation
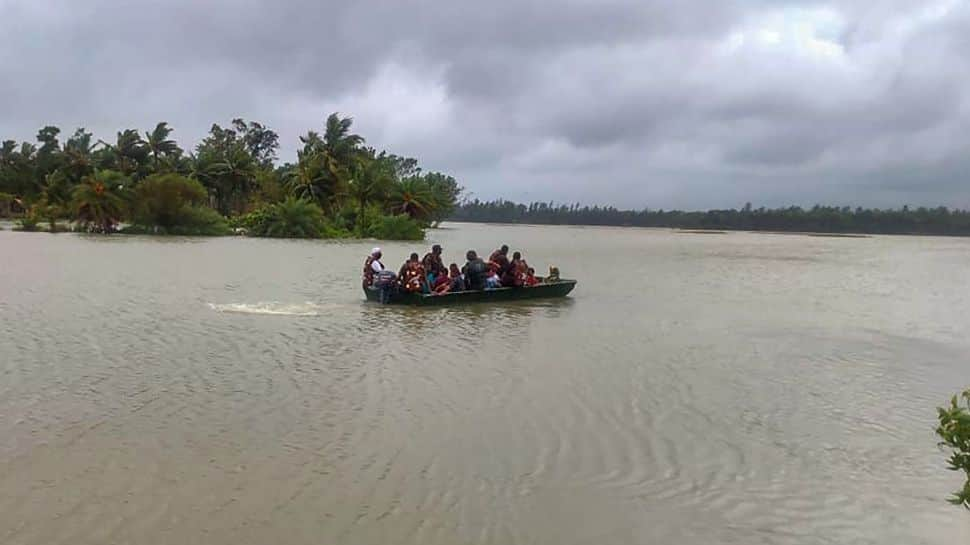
column 147, row 183
column 954, row 431
column 818, row 219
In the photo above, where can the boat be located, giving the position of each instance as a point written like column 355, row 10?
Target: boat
column 543, row 290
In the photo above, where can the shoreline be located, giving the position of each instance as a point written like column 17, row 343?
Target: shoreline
column 726, row 230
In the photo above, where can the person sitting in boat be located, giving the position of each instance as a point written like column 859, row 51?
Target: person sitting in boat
column 402, row 273
column 442, row 284
column 530, row 277
column 457, row 280
column 372, row 266
column 414, row 279
column 474, row 271
column 446, row 284
column 492, row 281
column 433, row 266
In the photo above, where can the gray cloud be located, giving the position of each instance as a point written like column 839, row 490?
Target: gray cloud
column 634, row 103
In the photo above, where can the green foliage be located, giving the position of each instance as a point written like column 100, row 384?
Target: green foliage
column 6, row 204
column 160, row 146
column 226, row 168
column 399, row 227
column 97, row 205
column 77, row 156
column 192, row 221
column 260, row 142
column 292, row 218
column 445, row 193
column 818, row 219
column 173, row 204
column 18, row 169
column 161, row 199
column 373, row 177
column 269, row 188
column 30, row 222
column 146, row 178
column 954, row 430
column 57, row 189
column 311, row 179
column 128, row 155
column 413, row 197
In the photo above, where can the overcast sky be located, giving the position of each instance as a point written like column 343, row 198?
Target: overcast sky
column 686, row 103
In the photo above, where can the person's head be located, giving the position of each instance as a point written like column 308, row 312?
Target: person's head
column 455, row 271
column 376, row 253
column 517, row 256
column 471, row 255
column 532, row 272
column 414, row 257
column 504, row 250
column 436, row 249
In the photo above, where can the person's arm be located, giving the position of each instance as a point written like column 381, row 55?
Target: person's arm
column 376, row 266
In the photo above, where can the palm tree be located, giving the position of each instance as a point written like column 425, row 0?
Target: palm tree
column 339, row 142
column 312, row 142
column 159, row 145
column 293, row 218
column 77, row 153
column 231, row 173
column 56, row 190
column 372, row 179
column 310, row 179
column 413, row 197
column 96, row 204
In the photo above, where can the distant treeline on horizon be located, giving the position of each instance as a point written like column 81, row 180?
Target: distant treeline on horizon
column 818, row 219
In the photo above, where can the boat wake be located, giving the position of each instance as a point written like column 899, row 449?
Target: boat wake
column 271, row 308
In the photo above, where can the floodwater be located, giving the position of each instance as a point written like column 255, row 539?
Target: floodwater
column 694, row 389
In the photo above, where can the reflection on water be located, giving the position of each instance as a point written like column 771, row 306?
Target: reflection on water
column 697, row 389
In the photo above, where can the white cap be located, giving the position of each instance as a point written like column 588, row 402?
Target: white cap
column 375, row 251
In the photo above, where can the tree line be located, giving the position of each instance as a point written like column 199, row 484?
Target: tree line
column 818, row 219
column 337, row 186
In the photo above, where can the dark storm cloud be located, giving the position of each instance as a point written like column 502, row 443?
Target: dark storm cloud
column 688, row 104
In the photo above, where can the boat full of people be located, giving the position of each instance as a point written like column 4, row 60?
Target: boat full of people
column 427, row 281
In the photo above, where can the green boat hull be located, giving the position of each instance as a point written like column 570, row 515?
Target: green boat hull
column 560, row 288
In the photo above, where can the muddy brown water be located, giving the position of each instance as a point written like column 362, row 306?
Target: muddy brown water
column 739, row 388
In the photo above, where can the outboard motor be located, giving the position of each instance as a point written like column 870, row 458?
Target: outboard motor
column 386, row 281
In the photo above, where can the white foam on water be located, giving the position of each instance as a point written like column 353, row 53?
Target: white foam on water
column 270, row 307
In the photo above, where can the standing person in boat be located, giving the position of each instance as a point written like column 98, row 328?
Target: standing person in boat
column 513, row 275
column 474, row 271
column 501, row 259
column 433, row 266
column 503, row 251
column 372, row 266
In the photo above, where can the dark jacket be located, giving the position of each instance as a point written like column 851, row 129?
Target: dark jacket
column 474, row 272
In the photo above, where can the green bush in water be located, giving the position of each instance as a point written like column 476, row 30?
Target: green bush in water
column 954, row 430
column 192, row 221
column 29, row 223
column 169, row 204
column 292, row 218
column 400, row 227
column 373, row 222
